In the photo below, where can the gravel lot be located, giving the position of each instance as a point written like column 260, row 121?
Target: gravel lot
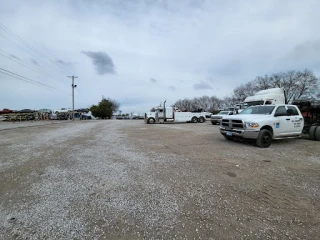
column 123, row 179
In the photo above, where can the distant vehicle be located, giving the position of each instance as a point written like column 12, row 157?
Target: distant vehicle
column 217, row 117
column 3, row 118
column 86, row 117
column 119, row 117
column 6, row 110
column 173, row 114
column 62, row 116
column 208, row 114
column 45, row 111
column 82, row 110
column 62, row 110
column 53, row 116
column 31, row 117
column 26, row 111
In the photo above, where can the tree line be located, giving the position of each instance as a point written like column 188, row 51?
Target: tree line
column 294, row 83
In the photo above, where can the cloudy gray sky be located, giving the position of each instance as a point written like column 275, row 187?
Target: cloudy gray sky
column 142, row 52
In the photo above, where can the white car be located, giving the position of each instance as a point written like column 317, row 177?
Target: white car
column 62, row 110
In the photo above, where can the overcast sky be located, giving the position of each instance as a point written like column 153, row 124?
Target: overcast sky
column 142, row 52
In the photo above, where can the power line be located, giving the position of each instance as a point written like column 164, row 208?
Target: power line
column 15, row 44
column 15, row 75
column 27, row 65
column 8, row 31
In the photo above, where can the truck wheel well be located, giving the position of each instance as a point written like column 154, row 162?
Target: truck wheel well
column 268, row 128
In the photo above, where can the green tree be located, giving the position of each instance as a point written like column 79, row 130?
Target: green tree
column 105, row 108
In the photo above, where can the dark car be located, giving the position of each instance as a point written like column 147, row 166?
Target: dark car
column 62, row 116
column 82, row 110
column 26, row 111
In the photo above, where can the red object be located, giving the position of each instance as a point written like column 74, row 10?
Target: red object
column 6, row 110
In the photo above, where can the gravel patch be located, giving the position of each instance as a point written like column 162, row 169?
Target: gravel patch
column 129, row 180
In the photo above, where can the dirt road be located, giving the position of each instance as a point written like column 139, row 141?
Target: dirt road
column 130, row 180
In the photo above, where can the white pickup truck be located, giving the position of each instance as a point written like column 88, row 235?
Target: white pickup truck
column 264, row 123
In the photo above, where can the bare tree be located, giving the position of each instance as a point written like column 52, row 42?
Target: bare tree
column 294, row 84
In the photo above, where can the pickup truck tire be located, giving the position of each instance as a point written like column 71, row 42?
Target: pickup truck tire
column 151, row 120
column 194, row 120
column 201, row 119
column 264, row 139
column 317, row 133
column 312, row 132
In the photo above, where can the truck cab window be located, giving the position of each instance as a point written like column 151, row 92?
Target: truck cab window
column 281, row 111
column 294, row 110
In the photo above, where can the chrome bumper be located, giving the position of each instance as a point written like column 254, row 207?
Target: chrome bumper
column 240, row 133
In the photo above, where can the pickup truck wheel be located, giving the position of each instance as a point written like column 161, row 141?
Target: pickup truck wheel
column 194, row 120
column 317, row 134
column 151, row 120
column 312, row 132
column 201, row 119
column 264, row 139
column 214, row 123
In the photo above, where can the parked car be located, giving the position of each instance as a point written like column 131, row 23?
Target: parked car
column 82, row 110
column 62, row 110
column 6, row 110
column 45, row 111
column 31, row 117
column 86, row 117
column 26, row 111
column 53, row 116
column 63, row 116
column 217, row 117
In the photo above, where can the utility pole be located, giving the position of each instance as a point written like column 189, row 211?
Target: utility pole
column 73, row 86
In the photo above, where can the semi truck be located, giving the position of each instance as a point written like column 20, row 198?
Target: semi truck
column 270, row 96
column 173, row 114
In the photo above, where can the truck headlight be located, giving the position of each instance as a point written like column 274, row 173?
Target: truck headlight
column 251, row 124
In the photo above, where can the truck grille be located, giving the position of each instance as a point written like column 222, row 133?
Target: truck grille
column 232, row 123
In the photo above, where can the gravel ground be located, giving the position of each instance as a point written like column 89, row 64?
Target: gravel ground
column 130, row 180
column 10, row 125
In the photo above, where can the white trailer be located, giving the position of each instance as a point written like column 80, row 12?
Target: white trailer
column 173, row 114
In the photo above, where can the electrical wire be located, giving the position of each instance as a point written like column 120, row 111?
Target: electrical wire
column 28, row 66
column 8, row 31
column 15, row 75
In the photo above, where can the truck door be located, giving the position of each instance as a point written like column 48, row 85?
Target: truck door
column 281, row 121
column 296, row 120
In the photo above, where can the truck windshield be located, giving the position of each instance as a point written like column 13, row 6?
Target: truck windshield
column 267, row 110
